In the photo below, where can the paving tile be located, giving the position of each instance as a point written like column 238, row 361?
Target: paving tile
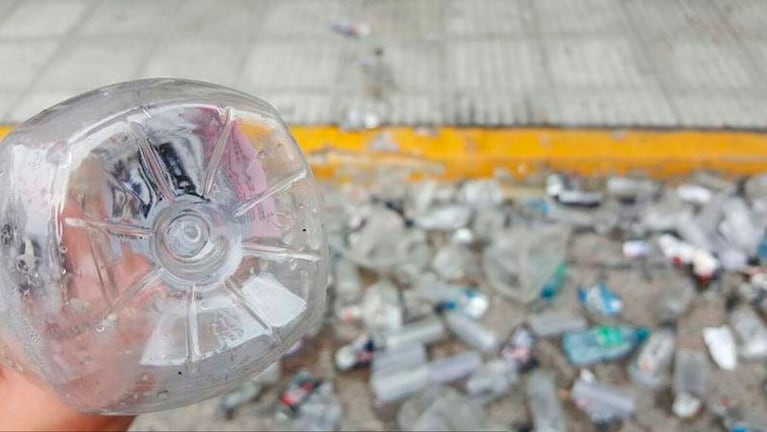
column 580, row 16
column 421, row 19
column 135, row 18
column 211, row 61
column 720, row 110
column 301, row 108
column 33, row 103
column 614, row 108
column 686, row 65
column 213, row 19
column 285, row 65
column 41, row 18
column 597, row 62
column 699, row 19
column 90, row 64
column 7, row 103
column 488, row 18
column 21, row 61
column 747, row 18
column 304, row 17
column 497, row 65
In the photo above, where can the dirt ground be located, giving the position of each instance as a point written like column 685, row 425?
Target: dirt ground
column 590, row 255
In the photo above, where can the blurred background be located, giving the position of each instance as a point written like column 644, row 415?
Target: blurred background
column 621, row 150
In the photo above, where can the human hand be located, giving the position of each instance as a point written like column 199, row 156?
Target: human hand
column 27, row 406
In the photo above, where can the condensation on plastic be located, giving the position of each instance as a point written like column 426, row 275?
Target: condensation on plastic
column 161, row 241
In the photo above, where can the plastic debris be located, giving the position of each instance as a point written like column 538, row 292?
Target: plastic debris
column 231, row 401
column 545, row 407
column 397, row 385
column 750, row 332
column 440, row 408
column 301, row 386
column 494, row 379
column 689, row 384
column 721, row 346
column 651, row 367
column 600, row 299
column 553, row 324
column 519, row 262
column 603, row 403
column 355, row 31
column 472, row 333
column 602, row 343
column 519, row 349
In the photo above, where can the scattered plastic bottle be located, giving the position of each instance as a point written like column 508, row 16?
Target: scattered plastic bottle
column 721, row 346
column 651, row 367
column 518, row 351
column 395, row 386
column 496, row 378
column 602, row 343
column 689, row 385
column 160, row 235
column 545, row 407
column 750, row 332
column 553, row 324
column 361, row 352
column 603, row 403
column 231, row 401
column 554, row 285
column 473, row 333
column 599, row 299
column 440, row 408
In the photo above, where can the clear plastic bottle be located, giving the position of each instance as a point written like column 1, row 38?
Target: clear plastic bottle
column 162, row 241
column 602, row 343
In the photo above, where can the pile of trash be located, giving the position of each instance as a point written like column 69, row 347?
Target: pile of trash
column 449, row 297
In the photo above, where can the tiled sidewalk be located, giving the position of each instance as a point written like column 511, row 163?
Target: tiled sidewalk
column 657, row 63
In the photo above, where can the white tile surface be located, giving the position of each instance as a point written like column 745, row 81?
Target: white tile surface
column 33, row 103
column 91, row 64
column 21, row 62
column 653, row 63
column 215, row 62
column 40, row 18
column 135, row 18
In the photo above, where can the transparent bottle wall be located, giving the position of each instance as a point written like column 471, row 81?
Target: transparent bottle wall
column 162, row 239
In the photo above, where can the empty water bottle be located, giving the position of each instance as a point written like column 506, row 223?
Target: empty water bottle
column 162, row 242
column 602, row 343
column 545, row 407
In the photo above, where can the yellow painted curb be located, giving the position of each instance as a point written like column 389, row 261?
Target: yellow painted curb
column 472, row 152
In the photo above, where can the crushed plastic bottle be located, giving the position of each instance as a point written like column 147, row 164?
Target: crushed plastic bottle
column 473, row 333
column 721, row 346
column 673, row 303
column 519, row 349
column 689, row 385
column 750, row 333
column 603, row 403
column 161, row 235
column 545, row 407
column 554, row 285
column 602, row 343
column 519, row 262
column 440, row 408
column 231, row 401
column 496, row 378
column 361, row 352
column 651, row 367
column 397, row 385
column 599, row 299
column 552, row 324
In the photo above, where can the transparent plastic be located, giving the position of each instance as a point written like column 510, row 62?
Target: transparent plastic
column 162, row 240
